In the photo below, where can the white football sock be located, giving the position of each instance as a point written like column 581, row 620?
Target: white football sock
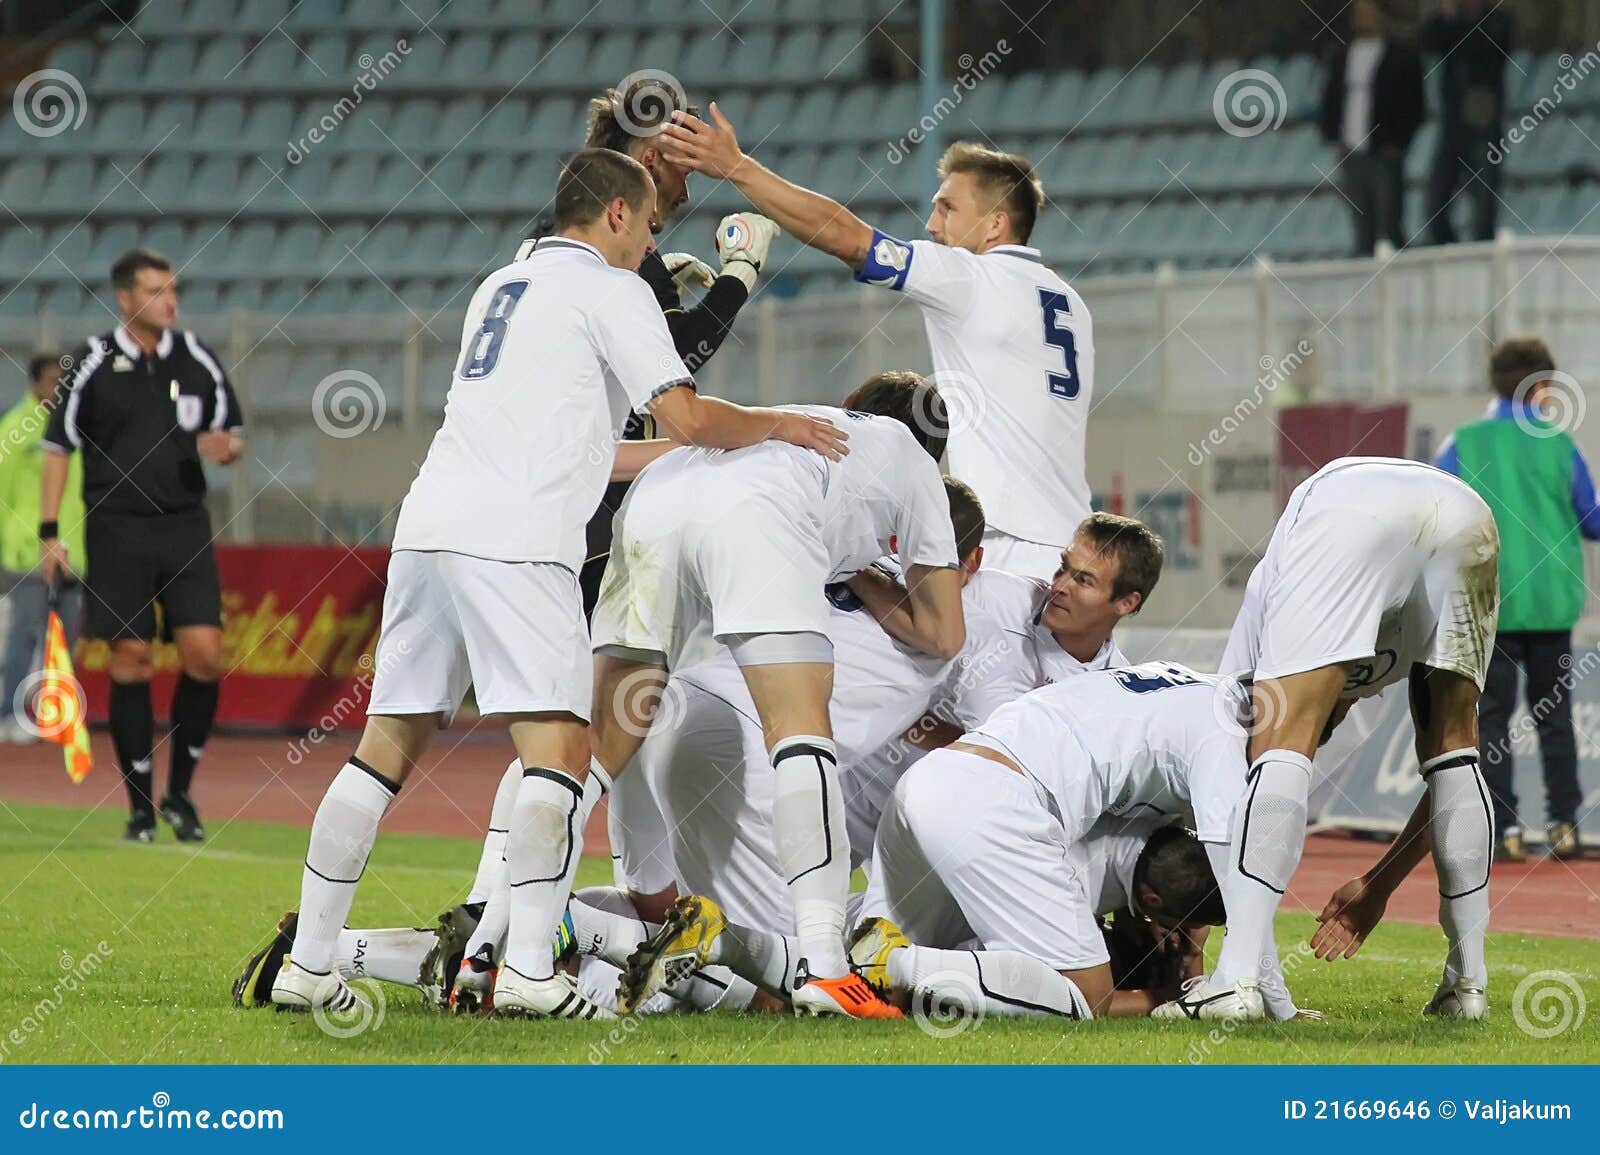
column 1461, row 827
column 342, row 835
column 492, row 862
column 393, row 954
column 606, row 925
column 946, row 984
column 1269, row 833
column 808, row 824
column 542, row 852
column 766, row 959
column 714, row 988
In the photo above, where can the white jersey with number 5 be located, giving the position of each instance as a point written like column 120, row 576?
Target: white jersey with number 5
column 556, row 349
column 1013, row 355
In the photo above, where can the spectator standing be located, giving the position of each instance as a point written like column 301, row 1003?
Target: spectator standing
column 21, row 466
column 1372, row 105
column 1472, row 39
column 1537, row 483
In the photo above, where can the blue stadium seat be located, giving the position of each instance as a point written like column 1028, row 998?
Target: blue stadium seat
column 354, row 181
column 216, row 181
column 76, row 57
column 220, row 121
column 111, row 241
column 262, row 15
column 515, row 58
column 268, row 125
column 116, row 124
column 844, row 56
column 120, row 64
column 461, row 122
column 329, row 15
column 325, row 61
column 799, row 57
column 219, row 60
column 169, row 121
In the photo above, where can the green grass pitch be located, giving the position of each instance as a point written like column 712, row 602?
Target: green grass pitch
column 177, row 922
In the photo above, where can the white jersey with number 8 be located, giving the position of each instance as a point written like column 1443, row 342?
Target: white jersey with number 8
column 556, row 349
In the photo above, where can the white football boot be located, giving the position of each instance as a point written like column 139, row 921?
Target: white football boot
column 552, row 998
column 1201, row 1000
column 301, row 990
column 1458, row 1001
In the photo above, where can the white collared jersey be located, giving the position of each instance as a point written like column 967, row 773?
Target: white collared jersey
column 886, row 496
column 555, row 351
column 1013, row 356
column 1140, row 744
column 1018, row 655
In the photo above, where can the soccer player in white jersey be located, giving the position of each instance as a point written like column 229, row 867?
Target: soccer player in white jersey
column 1012, row 343
column 1379, row 569
column 482, row 583
column 984, row 838
column 736, row 549
column 947, row 968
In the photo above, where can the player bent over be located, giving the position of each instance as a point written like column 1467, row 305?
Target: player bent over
column 1378, row 570
column 736, row 549
column 482, row 584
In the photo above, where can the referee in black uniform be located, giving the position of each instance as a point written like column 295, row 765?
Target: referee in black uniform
column 628, row 122
column 146, row 404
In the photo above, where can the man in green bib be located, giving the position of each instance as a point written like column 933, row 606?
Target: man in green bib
column 1531, row 474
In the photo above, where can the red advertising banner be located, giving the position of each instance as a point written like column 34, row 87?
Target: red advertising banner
column 299, row 624
column 1310, row 436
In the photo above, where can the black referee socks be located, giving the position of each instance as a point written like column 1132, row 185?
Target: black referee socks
column 194, row 708
column 133, row 733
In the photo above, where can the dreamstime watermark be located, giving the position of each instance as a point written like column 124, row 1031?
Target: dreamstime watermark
column 948, row 1004
column 348, row 403
column 644, row 99
column 49, row 102
column 1548, row 1003
column 373, row 70
column 57, row 704
column 363, row 1015
column 1249, row 102
column 1274, row 372
column 352, row 702
column 1572, row 71
column 972, row 71
column 1526, row 726
column 618, row 1035
column 75, row 972
column 966, row 403
column 1555, row 396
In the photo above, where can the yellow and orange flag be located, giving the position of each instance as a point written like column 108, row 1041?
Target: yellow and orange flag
column 59, row 709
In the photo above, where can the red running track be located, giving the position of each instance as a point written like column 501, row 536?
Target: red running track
column 281, row 779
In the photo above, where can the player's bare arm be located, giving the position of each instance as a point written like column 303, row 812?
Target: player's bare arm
column 810, row 217
column 926, row 615
column 1356, row 908
column 687, row 418
column 633, row 456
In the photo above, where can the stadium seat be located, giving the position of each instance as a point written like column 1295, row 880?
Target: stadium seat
column 330, row 16
column 219, row 60
column 262, row 15
column 514, row 59
column 326, row 61
column 268, row 125
column 220, row 121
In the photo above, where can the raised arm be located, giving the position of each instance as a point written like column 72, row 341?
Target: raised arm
column 810, row 217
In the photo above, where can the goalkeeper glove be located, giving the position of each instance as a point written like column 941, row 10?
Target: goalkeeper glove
column 742, row 243
column 688, row 270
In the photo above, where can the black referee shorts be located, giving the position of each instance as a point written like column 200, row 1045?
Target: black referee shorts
column 138, row 562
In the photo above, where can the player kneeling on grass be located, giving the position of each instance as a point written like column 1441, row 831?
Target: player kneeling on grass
column 1378, row 570
column 1137, row 920
column 482, row 585
column 736, row 549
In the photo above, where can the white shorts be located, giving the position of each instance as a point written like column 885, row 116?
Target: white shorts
column 968, row 848
column 514, row 631
column 1378, row 564
column 710, row 777
column 708, row 545
column 1018, row 555
column 641, row 850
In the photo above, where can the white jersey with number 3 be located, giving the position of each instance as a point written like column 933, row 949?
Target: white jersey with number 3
column 556, row 349
column 1013, row 355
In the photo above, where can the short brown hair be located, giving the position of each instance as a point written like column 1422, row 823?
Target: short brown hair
column 910, row 399
column 1515, row 360
column 125, row 269
column 966, row 516
column 646, row 104
column 1005, row 176
column 594, row 178
column 1136, row 547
